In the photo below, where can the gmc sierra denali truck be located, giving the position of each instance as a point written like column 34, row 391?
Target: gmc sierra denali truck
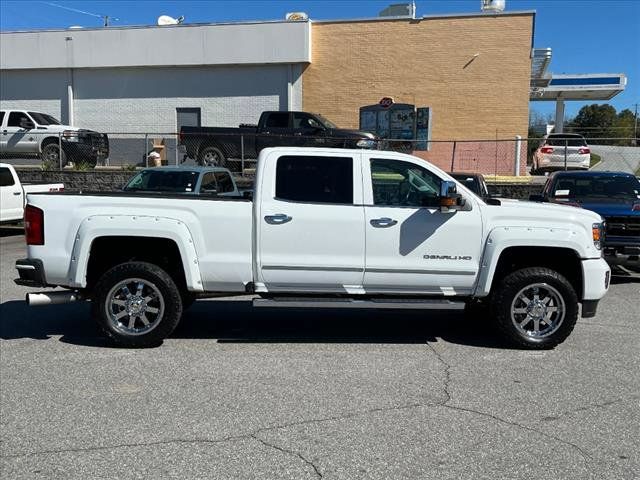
column 212, row 146
column 326, row 228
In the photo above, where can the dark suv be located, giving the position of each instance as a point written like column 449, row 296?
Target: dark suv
column 615, row 196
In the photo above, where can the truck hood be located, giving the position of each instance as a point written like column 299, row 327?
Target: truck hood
column 613, row 208
column 60, row 128
column 546, row 212
column 345, row 133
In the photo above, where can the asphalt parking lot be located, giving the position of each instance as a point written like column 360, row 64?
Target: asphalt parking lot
column 240, row 393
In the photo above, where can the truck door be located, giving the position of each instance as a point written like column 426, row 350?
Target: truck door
column 274, row 131
column 411, row 246
column 20, row 139
column 307, row 131
column 311, row 224
column 11, row 196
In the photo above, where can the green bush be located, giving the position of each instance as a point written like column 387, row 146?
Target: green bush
column 595, row 159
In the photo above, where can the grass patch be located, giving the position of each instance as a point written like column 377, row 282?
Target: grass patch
column 595, row 159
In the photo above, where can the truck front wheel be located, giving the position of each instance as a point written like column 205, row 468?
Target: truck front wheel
column 212, row 157
column 136, row 304
column 535, row 308
column 51, row 154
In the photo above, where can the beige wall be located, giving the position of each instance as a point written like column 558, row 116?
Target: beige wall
column 423, row 62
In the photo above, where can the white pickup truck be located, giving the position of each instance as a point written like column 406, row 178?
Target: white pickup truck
column 27, row 133
column 326, row 228
column 13, row 193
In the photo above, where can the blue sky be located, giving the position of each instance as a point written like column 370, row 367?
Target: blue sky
column 586, row 36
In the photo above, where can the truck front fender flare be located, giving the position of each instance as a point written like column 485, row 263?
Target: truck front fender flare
column 97, row 226
column 501, row 238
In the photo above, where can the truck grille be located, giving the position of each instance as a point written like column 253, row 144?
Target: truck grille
column 623, row 226
column 98, row 141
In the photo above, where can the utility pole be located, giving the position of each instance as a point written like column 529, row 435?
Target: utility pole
column 635, row 126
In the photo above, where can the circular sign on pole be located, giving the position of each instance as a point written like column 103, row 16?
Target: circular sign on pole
column 386, row 102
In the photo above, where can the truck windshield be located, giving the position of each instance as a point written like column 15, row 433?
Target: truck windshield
column 183, row 181
column 325, row 122
column 43, row 118
column 582, row 187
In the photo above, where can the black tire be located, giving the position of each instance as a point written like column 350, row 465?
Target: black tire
column 51, row 154
column 166, row 301
column 212, row 157
column 504, row 299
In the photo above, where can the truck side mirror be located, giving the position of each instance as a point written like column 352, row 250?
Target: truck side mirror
column 449, row 196
column 26, row 124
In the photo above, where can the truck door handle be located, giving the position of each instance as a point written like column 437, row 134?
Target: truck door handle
column 383, row 222
column 277, row 219
column 17, row 193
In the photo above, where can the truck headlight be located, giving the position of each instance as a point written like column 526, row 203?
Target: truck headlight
column 70, row 136
column 366, row 143
column 597, row 232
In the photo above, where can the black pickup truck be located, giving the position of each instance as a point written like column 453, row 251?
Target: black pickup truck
column 212, row 146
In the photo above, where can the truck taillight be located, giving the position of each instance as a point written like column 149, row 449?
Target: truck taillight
column 34, row 225
column 584, row 150
column 546, row 150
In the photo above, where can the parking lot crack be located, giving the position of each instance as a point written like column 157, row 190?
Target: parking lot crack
column 449, row 397
column 447, row 374
column 308, row 462
column 99, row 448
column 594, row 406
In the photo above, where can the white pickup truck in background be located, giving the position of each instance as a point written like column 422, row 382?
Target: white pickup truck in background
column 326, row 228
column 28, row 133
column 13, row 193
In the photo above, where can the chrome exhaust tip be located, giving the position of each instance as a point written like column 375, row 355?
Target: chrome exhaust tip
column 52, row 298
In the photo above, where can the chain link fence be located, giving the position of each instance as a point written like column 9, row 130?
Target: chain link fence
column 85, row 150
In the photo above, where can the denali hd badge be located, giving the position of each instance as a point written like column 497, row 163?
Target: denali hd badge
column 447, row 257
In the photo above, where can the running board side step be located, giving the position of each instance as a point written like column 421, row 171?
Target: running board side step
column 388, row 303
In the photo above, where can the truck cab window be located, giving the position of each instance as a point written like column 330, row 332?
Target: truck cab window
column 6, row 179
column 403, row 184
column 315, row 179
column 1, row 117
column 278, row 120
column 225, row 183
column 304, row 121
column 208, row 184
column 16, row 117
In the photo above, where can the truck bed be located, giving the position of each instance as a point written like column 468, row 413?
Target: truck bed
column 217, row 229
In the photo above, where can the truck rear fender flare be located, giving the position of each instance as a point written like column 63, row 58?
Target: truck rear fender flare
column 97, row 226
column 503, row 238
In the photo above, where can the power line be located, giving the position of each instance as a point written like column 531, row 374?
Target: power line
column 105, row 18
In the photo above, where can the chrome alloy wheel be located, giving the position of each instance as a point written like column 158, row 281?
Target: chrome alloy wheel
column 134, row 306
column 538, row 310
column 51, row 153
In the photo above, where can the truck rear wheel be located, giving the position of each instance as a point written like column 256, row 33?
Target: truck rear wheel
column 212, row 157
column 535, row 308
column 137, row 304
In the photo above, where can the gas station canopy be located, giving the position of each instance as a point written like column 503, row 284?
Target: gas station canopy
column 547, row 86
column 593, row 86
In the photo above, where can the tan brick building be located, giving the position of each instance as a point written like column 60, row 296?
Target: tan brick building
column 472, row 71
